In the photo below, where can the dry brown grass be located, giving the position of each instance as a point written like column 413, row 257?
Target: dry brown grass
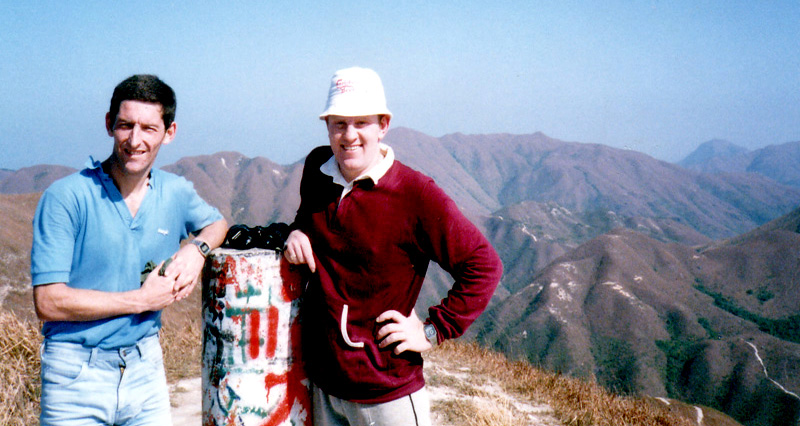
column 19, row 371
column 182, row 337
column 575, row 402
column 472, row 413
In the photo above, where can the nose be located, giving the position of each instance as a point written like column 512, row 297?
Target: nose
column 350, row 133
column 135, row 135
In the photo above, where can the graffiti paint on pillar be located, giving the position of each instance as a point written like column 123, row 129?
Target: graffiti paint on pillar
column 252, row 370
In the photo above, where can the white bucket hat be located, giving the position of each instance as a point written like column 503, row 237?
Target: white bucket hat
column 356, row 92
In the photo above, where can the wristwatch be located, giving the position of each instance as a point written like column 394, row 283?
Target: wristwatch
column 430, row 333
column 204, row 248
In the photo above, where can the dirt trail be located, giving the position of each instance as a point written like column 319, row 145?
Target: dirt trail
column 187, row 407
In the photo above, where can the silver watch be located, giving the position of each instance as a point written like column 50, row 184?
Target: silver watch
column 204, row 248
column 430, row 333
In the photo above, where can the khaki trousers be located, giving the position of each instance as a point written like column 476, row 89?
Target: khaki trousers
column 411, row 410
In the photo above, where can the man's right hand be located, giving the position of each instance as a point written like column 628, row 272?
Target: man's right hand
column 59, row 302
column 298, row 250
column 158, row 291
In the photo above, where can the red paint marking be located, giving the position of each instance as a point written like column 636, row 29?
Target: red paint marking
column 272, row 380
column 283, row 408
column 247, row 270
column 227, row 273
column 273, row 316
column 255, row 329
column 280, row 414
column 295, row 391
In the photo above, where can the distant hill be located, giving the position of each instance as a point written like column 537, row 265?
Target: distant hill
column 529, row 235
column 16, row 214
column 588, row 177
column 252, row 191
column 435, row 158
column 780, row 163
column 31, row 179
column 718, row 156
column 716, row 326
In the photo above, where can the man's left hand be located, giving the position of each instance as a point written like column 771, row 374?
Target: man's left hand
column 407, row 332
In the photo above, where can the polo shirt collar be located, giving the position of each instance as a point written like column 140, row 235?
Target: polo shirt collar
column 97, row 166
column 331, row 168
column 91, row 163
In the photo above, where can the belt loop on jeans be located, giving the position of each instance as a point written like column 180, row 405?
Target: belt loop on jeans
column 93, row 355
column 140, row 347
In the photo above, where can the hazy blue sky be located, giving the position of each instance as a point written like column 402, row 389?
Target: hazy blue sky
column 659, row 77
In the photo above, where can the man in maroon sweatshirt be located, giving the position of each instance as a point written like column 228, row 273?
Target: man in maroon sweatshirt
column 367, row 228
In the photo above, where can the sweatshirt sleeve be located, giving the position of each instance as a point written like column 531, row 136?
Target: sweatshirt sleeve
column 310, row 191
column 460, row 248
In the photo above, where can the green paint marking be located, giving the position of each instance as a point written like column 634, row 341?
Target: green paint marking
column 250, row 291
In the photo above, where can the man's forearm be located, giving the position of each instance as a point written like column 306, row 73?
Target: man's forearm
column 59, row 302
column 214, row 234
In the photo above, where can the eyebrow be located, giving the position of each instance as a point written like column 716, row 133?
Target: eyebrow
column 121, row 120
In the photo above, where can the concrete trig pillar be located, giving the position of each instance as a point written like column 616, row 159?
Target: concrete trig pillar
column 252, row 372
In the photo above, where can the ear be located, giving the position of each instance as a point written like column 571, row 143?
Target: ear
column 384, row 122
column 169, row 135
column 109, row 124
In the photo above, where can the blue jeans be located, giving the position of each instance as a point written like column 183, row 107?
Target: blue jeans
column 91, row 386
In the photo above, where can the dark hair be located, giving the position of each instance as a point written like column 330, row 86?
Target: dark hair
column 145, row 88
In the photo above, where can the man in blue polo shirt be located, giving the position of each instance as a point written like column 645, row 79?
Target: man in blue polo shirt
column 94, row 233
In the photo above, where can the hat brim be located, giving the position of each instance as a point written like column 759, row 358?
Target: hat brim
column 353, row 113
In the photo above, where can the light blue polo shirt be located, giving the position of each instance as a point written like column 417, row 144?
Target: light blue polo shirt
column 84, row 235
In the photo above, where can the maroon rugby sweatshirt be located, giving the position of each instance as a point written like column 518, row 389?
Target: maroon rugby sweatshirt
column 372, row 249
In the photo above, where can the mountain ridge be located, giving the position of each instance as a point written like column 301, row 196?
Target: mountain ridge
column 665, row 319
column 777, row 162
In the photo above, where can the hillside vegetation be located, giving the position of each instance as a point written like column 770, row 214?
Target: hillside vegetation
column 717, row 325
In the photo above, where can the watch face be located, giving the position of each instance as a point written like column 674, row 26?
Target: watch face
column 430, row 332
column 202, row 246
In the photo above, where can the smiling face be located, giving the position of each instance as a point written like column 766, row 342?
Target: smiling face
column 138, row 133
column 355, row 142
